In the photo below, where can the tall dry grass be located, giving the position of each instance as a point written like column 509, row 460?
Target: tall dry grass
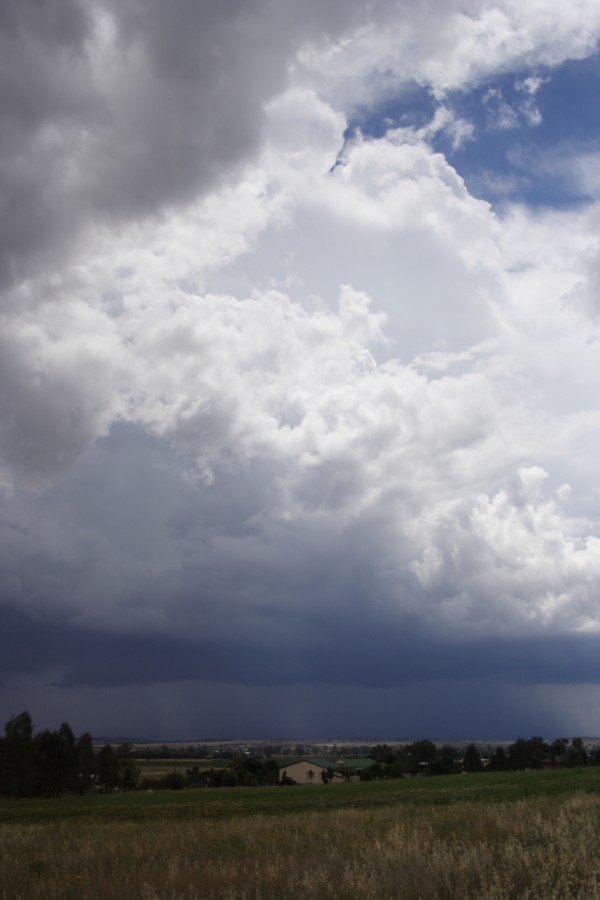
column 535, row 849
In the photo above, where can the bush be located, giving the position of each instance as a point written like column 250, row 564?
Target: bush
column 173, row 781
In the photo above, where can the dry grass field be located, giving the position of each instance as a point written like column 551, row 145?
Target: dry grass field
column 539, row 848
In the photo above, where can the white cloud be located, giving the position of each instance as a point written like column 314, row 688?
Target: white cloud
column 451, row 46
column 530, row 87
column 444, row 120
column 518, row 563
column 501, row 116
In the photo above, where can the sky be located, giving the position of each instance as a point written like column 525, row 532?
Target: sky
column 299, row 366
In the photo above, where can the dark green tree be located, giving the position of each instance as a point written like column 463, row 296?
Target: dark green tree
column 51, row 764
column 378, row 771
column 558, row 751
column 577, row 754
column 423, row 751
column 70, row 756
column 383, row 753
column 86, row 763
column 499, row 760
column 528, row 754
column 6, row 784
column 518, row 755
column 446, row 761
column 173, row 781
column 108, row 768
column 129, row 771
column 20, row 774
column 226, row 778
column 539, row 750
column 472, row 759
column 594, row 757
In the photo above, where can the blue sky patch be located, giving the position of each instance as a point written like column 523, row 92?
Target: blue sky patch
column 529, row 129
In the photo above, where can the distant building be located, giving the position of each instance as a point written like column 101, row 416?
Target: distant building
column 305, row 771
column 315, row 771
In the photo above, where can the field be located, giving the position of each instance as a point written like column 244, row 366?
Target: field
column 158, row 768
column 496, row 836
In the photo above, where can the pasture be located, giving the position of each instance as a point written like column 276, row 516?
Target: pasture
column 495, row 836
column 158, row 768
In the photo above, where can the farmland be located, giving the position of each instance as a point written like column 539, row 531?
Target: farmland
column 224, row 803
column 158, row 768
column 503, row 835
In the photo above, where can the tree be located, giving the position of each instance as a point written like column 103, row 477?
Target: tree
column 472, row 759
column 422, row 751
column 129, row 771
column 344, row 772
column 70, row 756
column 251, row 771
column 577, row 754
column 383, row 753
column 173, row 781
column 445, row 761
column 55, row 761
column 51, row 764
column 518, row 755
column 499, row 760
column 558, row 750
column 539, row 750
column 378, row 772
column 528, row 754
column 271, row 772
column 20, row 773
column 108, row 768
column 86, row 763
column 226, row 778
column 7, row 788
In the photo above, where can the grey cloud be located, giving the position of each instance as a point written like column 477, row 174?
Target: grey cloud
column 126, row 577
column 340, row 652
column 111, row 111
column 58, row 378
column 193, row 710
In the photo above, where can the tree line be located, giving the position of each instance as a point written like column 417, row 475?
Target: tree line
column 425, row 757
column 52, row 763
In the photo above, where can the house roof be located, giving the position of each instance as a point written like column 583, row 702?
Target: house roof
column 320, row 763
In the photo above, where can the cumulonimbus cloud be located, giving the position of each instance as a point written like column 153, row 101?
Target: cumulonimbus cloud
column 262, row 381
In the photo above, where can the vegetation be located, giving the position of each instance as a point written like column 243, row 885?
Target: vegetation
column 531, row 848
column 208, row 805
column 495, row 834
column 53, row 763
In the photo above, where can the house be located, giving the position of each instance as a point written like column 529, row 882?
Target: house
column 305, row 771
column 316, row 771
